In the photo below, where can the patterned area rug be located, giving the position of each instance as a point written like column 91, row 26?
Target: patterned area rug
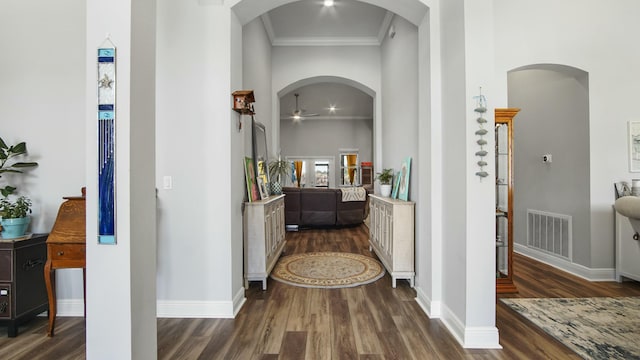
column 595, row 328
column 327, row 270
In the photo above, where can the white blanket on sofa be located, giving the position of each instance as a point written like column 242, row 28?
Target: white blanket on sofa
column 353, row 194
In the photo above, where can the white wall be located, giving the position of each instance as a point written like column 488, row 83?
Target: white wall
column 554, row 119
column 359, row 65
column 528, row 33
column 454, row 194
column 125, row 272
column 468, row 209
column 42, row 96
column 256, row 65
column 199, row 221
column 399, row 69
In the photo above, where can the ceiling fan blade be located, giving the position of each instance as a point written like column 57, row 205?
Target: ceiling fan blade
column 298, row 113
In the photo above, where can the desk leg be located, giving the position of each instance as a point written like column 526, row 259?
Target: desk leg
column 50, row 282
column 84, row 290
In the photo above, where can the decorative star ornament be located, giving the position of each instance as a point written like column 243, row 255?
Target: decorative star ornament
column 105, row 82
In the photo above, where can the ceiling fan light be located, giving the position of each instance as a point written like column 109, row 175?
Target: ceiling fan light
column 328, row 3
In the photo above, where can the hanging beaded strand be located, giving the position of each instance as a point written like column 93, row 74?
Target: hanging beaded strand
column 481, row 109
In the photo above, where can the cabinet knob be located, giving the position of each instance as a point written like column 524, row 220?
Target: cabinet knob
column 60, row 253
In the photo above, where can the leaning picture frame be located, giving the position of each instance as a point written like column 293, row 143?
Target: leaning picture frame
column 634, row 146
column 262, row 186
column 396, row 185
column 405, row 172
column 250, row 178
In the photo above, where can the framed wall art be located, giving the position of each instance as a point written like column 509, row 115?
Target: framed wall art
column 634, row 146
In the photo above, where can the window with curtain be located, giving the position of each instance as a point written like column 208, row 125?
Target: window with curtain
column 349, row 169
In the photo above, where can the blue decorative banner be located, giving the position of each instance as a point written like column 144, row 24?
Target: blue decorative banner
column 106, row 142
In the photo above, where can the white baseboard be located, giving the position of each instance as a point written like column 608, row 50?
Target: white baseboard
column 70, row 307
column 603, row 274
column 170, row 308
column 431, row 308
column 195, row 309
column 238, row 301
column 485, row 337
column 480, row 337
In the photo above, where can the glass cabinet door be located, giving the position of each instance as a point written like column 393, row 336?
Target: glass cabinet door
column 504, row 199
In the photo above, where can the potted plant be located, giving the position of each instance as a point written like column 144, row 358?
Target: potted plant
column 385, row 178
column 14, row 213
column 15, row 216
column 278, row 171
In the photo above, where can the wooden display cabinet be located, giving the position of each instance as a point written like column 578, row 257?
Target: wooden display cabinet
column 504, row 199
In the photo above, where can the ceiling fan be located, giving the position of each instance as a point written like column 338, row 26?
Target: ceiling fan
column 299, row 114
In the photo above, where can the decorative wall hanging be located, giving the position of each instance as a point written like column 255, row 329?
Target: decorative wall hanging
column 481, row 109
column 106, row 142
column 243, row 104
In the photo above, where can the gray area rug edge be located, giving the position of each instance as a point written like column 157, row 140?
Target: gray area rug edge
column 595, row 328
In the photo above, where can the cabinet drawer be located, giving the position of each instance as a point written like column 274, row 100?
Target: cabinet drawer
column 6, row 266
column 5, row 301
column 67, row 251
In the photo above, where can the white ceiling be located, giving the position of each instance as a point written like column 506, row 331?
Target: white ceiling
column 309, row 23
column 350, row 103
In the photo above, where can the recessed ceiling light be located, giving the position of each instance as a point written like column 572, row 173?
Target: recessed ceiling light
column 328, row 2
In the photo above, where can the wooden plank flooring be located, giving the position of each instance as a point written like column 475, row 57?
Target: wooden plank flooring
column 372, row 321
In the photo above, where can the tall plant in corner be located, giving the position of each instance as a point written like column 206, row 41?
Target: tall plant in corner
column 14, row 212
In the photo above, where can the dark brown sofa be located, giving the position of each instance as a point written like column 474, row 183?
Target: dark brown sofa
column 322, row 207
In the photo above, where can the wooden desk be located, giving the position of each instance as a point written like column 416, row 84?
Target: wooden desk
column 66, row 248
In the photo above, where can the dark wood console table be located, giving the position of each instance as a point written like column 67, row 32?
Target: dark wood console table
column 22, row 291
column 66, row 248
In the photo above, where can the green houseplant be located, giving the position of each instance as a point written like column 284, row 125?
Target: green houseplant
column 278, row 171
column 14, row 213
column 385, row 178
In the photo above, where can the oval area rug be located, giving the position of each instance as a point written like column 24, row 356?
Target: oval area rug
column 327, row 270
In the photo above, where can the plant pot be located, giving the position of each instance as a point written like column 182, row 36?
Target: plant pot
column 13, row 228
column 276, row 188
column 385, row 190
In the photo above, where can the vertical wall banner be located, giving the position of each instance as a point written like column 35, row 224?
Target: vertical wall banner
column 106, row 142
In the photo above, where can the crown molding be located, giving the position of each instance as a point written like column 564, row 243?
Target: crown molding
column 327, row 41
column 210, row 2
column 384, row 27
column 268, row 27
column 322, row 117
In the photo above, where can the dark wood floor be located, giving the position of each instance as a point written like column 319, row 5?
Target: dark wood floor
column 372, row 321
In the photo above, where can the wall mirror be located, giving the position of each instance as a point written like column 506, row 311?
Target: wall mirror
column 260, row 152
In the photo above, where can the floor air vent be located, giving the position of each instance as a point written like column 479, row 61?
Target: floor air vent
column 549, row 232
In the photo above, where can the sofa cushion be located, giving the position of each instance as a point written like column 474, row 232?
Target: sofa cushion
column 318, row 207
column 351, row 212
column 291, row 206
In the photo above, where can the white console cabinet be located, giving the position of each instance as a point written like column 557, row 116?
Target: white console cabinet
column 391, row 236
column 627, row 250
column 263, row 238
